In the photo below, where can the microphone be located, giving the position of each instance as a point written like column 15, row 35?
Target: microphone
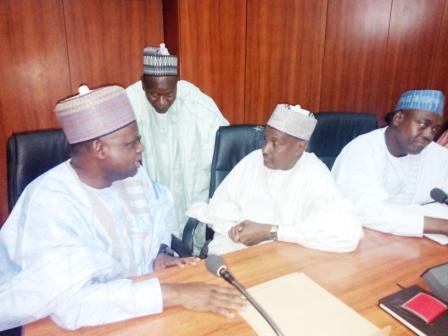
column 439, row 195
column 215, row 265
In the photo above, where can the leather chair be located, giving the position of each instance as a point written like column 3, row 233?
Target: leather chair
column 333, row 131
column 12, row 332
column 29, row 155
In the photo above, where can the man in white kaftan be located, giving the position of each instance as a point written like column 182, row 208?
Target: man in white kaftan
column 82, row 237
column 293, row 199
column 178, row 124
column 58, row 234
column 390, row 172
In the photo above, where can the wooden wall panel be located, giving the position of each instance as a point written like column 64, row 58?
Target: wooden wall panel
column 439, row 77
column 355, row 49
column 49, row 47
column 33, row 71
column 284, row 55
column 412, row 44
column 248, row 55
column 212, row 43
column 106, row 38
column 171, row 25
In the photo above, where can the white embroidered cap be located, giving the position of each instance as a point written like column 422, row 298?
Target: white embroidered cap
column 293, row 120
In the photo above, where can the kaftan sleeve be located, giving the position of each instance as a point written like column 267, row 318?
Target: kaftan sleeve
column 65, row 271
column 112, row 301
column 357, row 172
column 222, row 212
column 330, row 222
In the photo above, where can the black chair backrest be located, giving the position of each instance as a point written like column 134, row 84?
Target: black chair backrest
column 335, row 129
column 30, row 154
column 232, row 143
column 12, row 332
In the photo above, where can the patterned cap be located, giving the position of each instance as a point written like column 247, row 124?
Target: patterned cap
column 92, row 114
column 293, row 120
column 426, row 100
column 159, row 62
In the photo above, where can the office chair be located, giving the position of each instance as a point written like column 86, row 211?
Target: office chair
column 12, row 332
column 29, row 155
column 333, row 131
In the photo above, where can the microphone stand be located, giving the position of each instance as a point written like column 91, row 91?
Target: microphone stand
column 230, row 279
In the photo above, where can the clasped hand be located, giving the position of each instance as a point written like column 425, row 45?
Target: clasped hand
column 249, row 232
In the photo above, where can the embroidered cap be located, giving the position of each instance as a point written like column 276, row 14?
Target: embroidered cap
column 159, row 62
column 92, row 114
column 293, row 120
column 426, row 100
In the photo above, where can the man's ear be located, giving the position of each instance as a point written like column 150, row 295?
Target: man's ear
column 398, row 119
column 301, row 146
column 99, row 149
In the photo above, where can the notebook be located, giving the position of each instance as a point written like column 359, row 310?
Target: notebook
column 413, row 313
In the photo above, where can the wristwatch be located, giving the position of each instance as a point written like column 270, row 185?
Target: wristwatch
column 273, row 232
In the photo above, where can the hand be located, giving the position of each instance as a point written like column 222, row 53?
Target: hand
column 163, row 261
column 250, row 233
column 200, row 296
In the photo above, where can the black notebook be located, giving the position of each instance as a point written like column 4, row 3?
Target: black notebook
column 392, row 305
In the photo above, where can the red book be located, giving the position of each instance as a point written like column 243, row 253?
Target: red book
column 425, row 306
column 404, row 304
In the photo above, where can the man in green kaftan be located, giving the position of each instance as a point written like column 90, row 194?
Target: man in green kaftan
column 178, row 124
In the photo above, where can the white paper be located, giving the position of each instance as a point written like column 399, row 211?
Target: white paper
column 299, row 306
column 439, row 238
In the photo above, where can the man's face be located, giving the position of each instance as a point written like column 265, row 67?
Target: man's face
column 415, row 129
column 280, row 150
column 123, row 153
column 160, row 91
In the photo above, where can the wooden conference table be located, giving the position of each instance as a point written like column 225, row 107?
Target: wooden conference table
column 359, row 279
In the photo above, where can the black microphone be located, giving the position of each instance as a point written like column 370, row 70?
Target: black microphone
column 439, row 195
column 215, row 265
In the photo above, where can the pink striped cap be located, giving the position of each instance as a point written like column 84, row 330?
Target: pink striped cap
column 94, row 114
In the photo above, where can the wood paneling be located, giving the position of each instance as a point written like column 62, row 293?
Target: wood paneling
column 34, row 70
column 106, row 38
column 285, row 47
column 171, row 25
column 212, row 44
column 355, row 48
column 248, row 55
column 439, row 78
column 412, row 44
column 50, row 47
